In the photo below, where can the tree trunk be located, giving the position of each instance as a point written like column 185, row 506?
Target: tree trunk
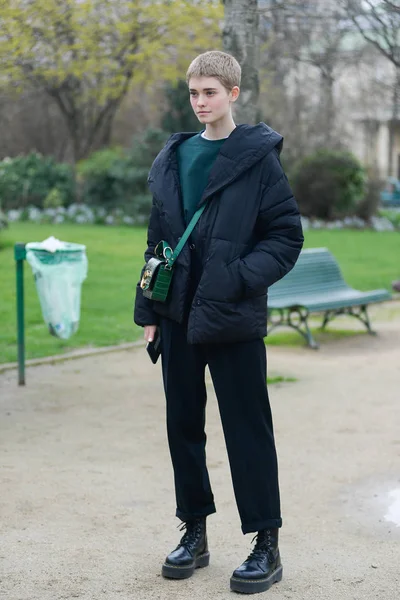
column 240, row 38
column 327, row 108
column 391, row 171
column 298, row 141
column 89, row 124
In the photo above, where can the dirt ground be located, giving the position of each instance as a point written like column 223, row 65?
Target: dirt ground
column 87, row 501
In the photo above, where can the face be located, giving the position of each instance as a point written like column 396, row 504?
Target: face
column 210, row 101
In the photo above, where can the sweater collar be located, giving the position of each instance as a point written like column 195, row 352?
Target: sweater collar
column 245, row 146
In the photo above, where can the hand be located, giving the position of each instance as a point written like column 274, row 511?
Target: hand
column 149, row 332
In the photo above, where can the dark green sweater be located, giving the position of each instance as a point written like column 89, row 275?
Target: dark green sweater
column 196, row 157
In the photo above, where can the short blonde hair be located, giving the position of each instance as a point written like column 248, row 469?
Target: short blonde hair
column 220, row 65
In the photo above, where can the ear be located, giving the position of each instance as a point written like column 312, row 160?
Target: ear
column 234, row 93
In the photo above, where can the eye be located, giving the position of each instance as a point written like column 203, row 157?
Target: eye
column 193, row 93
column 210, row 93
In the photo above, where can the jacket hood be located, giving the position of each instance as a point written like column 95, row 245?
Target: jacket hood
column 246, row 145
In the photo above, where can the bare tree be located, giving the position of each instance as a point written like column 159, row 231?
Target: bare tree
column 240, row 38
column 379, row 25
column 312, row 32
column 30, row 121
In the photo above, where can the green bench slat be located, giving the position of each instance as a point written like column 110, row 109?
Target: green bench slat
column 331, row 300
column 317, row 284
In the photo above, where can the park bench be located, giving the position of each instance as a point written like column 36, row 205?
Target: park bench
column 316, row 285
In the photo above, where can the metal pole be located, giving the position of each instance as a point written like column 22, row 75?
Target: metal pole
column 20, row 255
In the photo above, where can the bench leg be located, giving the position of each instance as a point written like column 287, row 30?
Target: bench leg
column 328, row 316
column 296, row 318
column 363, row 316
column 359, row 312
column 302, row 326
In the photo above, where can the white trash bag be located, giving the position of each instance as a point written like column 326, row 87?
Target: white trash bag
column 59, row 269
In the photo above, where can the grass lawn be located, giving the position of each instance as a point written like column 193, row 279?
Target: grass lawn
column 368, row 259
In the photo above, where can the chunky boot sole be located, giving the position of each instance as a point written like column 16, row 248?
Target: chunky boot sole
column 253, row 586
column 183, row 572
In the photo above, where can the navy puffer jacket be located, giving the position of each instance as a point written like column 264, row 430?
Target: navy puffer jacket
column 248, row 237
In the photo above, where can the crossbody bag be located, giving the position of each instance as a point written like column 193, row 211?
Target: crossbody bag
column 158, row 271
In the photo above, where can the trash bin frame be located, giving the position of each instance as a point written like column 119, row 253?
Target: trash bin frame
column 20, row 256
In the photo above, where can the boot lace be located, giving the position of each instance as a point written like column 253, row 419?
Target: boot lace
column 193, row 531
column 263, row 547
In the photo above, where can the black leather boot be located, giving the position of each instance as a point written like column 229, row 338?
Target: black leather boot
column 191, row 552
column 262, row 567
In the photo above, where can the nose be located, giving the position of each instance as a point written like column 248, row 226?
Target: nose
column 201, row 101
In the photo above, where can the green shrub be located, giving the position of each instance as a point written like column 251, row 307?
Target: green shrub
column 114, row 178
column 368, row 207
column 3, row 220
column 392, row 215
column 53, row 199
column 140, row 208
column 109, row 179
column 145, row 147
column 27, row 180
column 329, row 184
column 100, row 177
column 179, row 115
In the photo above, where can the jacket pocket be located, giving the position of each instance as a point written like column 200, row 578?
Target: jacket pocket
column 213, row 321
column 253, row 283
column 237, row 285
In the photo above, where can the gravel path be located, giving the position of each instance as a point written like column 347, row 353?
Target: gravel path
column 87, row 498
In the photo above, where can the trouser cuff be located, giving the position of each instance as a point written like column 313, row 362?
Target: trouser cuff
column 259, row 525
column 209, row 510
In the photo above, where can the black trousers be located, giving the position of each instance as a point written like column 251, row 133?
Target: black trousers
column 238, row 372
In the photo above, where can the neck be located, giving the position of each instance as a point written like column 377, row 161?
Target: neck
column 220, row 129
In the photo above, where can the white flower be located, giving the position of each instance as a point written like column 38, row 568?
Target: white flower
column 382, row 224
column 305, row 223
column 87, row 213
column 100, row 211
column 50, row 212
column 317, row 224
column 14, row 215
column 34, row 214
column 72, row 210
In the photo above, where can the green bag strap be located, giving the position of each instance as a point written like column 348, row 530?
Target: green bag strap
column 167, row 252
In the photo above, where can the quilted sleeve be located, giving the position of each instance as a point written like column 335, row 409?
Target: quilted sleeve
column 281, row 236
column 143, row 312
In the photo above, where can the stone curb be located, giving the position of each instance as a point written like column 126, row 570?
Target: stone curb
column 84, row 352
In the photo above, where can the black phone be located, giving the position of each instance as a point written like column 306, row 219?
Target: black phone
column 154, row 348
